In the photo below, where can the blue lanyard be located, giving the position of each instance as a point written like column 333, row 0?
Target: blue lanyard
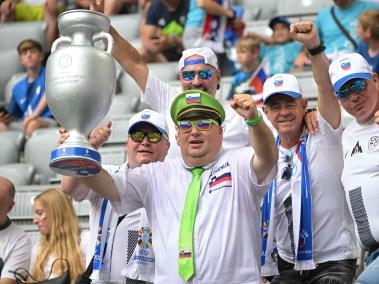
column 97, row 259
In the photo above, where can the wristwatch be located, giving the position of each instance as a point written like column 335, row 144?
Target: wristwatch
column 316, row 50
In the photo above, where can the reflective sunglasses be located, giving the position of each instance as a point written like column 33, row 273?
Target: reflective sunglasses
column 203, row 74
column 287, row 172
column 152, row 136
column 356, row 87
column 202, row 125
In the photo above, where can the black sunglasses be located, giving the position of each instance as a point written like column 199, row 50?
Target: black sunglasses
column 287, row 172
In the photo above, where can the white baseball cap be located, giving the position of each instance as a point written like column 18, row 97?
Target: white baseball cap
column 207, row 53
column 281, row 84
column 346, row 67
column 150, row 117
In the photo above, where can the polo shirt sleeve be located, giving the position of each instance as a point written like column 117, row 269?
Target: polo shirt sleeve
column 327, row 136
column 19, row 256
column 159, row 95
column 132, row 187
column 244, row 168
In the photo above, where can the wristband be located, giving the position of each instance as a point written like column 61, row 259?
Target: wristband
column 316, row 50
column 255, row 121
column 310, row 110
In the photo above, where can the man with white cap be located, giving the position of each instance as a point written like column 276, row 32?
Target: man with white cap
column 305, row 211
column 357, row 89
column 147, row 142
column 198, row 69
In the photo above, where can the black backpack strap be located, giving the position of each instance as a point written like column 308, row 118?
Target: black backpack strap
column 343, row 30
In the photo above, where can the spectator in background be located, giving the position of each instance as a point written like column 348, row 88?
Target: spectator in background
column 250, row 78
column 347, row 13
column 281, row 51
column 196, row 18
column 33, row 10
column 15, row 246
column 207, row 21
column 368, row 32
column 28, row 103
column 147, row 142
column 162, row 33
column 111, row 7
column 60, row 236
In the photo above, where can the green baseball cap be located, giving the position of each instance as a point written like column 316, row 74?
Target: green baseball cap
column 196, row 103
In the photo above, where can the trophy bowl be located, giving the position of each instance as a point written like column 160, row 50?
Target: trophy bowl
column 80, row 83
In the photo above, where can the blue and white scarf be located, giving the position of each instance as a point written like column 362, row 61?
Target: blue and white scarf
column 302, row 216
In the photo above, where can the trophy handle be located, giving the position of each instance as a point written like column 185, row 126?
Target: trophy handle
column 63, row 39
column 108, row 37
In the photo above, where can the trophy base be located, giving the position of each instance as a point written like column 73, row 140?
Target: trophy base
column 75, row 161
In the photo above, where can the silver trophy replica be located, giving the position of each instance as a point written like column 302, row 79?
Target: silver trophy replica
column 80, row 83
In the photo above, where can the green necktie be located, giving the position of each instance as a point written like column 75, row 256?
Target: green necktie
column 186, row 263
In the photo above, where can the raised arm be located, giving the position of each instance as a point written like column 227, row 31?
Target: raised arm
column 212, row 7
column 103, row 185
column 261, row 138
column 125, row 53
column 74, row 186
column 328, row 105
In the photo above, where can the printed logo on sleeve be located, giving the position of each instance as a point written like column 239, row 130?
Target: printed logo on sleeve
column 221, row 178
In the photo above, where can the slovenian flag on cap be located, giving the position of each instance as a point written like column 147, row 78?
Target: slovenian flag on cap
column 193, row 98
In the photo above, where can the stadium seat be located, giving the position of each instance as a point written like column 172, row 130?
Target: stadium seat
column 10, row 66
column 259, row 9
column 11, row 83
column 8, row 151
column 24, row 202
column 259, row 27
column 124, row 104
column 15, row 32
column 18, row 173
column 17, row 137
column 302, row 7
column 113, row 155
column 307, row 85
column 37, row 152
column 167, row 71
column 119, row 128
column 127, row 25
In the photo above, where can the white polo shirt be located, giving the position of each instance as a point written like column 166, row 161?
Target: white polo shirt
column 333, row 229
column 227, row 242
column 360, row 178
column 159, row 95
column 123, row 239
column 15, row 250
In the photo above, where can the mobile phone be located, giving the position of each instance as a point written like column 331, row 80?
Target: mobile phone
column 154, row 37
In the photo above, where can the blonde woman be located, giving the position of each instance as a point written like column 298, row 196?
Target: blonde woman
column 60, row 236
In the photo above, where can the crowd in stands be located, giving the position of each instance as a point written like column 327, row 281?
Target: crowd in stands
column 255, row 187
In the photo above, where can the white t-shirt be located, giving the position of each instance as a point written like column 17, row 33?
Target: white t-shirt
column 159, row 96
column 360, row 178
column 122, row 244
column 227, row 243
column 15, row 248
column 50, row 260
column 333, row 230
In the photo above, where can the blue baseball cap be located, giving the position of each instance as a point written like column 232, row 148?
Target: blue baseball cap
column 277, row 20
